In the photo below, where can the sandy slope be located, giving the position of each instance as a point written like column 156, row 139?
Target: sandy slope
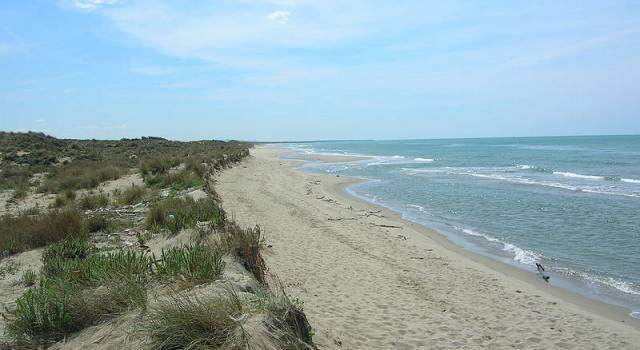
column 366, row 286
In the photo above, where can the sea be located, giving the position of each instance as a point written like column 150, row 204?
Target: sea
column 571, row 204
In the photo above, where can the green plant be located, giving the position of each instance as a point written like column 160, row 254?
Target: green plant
column 189, row 323
column 94, row 270
column 191, row 264
column 29, row 278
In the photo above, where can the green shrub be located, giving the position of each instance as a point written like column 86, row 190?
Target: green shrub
column 32, row 231
column 132, row 195
column 189, row 323
column 176, row 214
column 192, row 264
column 93, row 201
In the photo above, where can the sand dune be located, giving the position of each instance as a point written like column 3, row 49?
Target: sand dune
column 371, row 280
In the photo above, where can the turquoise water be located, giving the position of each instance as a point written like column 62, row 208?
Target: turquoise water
column 570, row 203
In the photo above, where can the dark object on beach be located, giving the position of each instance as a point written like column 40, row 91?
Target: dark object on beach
column 542, row 273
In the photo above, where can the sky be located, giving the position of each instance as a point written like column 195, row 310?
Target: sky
column 276, row 70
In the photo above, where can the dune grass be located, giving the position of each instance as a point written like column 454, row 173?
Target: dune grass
column 175, row 214
column 55, row 308
column 132, row 195
column 81, row 174
column 93, row 201
column 27, row 231
column 190, row 265
column 190, row 323
column 246, row 245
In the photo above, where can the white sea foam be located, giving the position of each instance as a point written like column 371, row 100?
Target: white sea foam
column 423, row 160
column 524, row 166
column 579, row 176
column 419, row 207
column 635, row 314
column 520, row 255
column 631, row 181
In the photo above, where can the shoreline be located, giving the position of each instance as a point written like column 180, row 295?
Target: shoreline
column 590, row 303
column 609, row 311
column 400, row 279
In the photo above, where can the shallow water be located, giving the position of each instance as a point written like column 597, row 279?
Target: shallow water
column 570, row 203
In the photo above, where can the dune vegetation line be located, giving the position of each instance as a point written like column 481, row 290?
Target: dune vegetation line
column 125, row 243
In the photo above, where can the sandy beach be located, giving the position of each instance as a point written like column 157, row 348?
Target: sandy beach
column 371, row 280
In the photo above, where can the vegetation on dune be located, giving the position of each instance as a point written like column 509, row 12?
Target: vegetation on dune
column 80, row 285
column 185, row 322
column 176, row 214
column 29, row 231
column 246, row 245
column 93, row 201
column 190, row 264
column 132, row 195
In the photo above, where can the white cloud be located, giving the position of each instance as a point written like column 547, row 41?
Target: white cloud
column 92, row 4
column 281, row 17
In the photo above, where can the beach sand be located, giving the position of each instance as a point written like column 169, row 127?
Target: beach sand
column 371, row 280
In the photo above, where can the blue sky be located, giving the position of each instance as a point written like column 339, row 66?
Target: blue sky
column 319, row 69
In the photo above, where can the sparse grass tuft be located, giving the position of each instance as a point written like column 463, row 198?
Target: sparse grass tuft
column 176, row 214
column 189, row 323
column 29, row 278
column 32, row 231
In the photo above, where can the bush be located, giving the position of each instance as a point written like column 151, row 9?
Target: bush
column 189, row 323
column 192, row 264
column 246, row 244
column 176, row 214
column 32, row 231
column 90, row 202
column 132, row 195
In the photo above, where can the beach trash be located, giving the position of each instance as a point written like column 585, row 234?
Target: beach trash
column 171, row 217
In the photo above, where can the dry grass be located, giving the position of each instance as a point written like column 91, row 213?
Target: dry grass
column 246, row 244
column 26, row 232
column 190, row 323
